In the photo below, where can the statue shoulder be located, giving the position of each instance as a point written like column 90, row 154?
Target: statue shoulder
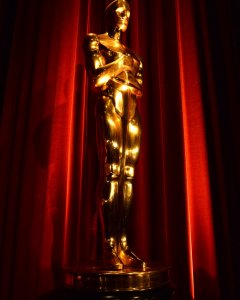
column 91, row 37
column 91, row 42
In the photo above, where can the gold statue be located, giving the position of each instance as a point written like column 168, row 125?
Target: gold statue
column 116, row 73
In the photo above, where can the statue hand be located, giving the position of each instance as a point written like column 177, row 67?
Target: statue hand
column 126, row 63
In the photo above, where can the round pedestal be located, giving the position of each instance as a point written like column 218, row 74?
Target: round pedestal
column 97, row 278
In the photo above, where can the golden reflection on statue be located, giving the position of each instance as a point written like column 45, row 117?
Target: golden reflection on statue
column 116, row 73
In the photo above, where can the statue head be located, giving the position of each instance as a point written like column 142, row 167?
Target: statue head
column 117, row 15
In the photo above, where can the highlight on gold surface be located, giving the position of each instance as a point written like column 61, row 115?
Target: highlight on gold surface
column 116, row 75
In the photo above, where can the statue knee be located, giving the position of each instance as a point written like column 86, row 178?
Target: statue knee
column 112, row 170
column 109, row 192
column 129, row 172
column 110, row 187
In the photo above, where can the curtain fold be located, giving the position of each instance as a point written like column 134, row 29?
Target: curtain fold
column 186, row 191
column 198, row 195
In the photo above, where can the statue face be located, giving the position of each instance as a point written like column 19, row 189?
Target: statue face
column 122, row 15
column 118, row 15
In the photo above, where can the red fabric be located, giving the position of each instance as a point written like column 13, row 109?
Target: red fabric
column 180, row 214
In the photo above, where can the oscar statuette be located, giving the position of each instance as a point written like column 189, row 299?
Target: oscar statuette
column 116, row 75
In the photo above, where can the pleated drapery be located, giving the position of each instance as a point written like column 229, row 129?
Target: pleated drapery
column 186, row 191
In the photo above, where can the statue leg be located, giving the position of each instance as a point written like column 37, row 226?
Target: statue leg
column 109, row 140
column 132, row 149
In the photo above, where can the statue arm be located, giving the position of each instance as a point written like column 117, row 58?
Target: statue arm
column 96, row 65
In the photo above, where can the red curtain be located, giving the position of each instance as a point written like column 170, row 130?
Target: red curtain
column 185, row 208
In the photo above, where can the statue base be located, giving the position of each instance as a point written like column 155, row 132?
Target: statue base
column 87, row 277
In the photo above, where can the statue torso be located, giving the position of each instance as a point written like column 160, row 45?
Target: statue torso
column 111, row 50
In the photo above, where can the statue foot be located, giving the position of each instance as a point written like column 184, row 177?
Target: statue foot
column 111, row 258
column 130, row 260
